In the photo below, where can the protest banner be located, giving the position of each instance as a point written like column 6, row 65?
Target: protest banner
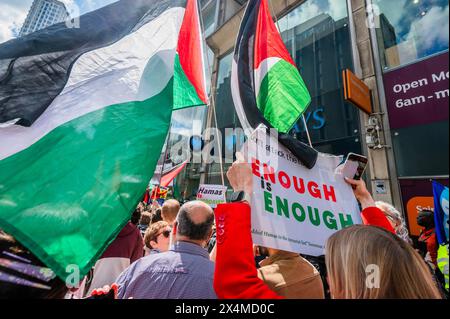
column 294, row 208
column 212, row 194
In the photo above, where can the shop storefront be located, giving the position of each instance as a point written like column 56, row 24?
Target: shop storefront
column 413, row 48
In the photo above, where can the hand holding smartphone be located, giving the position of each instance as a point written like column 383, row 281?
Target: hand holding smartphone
column 354, row 166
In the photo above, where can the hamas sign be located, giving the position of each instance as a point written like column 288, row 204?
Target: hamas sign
column 212, row 194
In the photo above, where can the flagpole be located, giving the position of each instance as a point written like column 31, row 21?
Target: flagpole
column 303, row 115
column 165, row 154
column 211, row 102
column 220, row 147
column 307, row 130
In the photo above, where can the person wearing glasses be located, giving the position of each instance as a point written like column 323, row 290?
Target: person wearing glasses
column 185, row 270
column 396, row 219
column 157, row 238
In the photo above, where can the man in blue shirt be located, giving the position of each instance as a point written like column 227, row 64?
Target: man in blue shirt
column 183, row 272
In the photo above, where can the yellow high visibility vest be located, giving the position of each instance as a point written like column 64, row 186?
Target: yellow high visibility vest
column 443, row 262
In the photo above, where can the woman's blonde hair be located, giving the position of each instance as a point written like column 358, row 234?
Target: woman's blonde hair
column 354, row 254
column 393, row 214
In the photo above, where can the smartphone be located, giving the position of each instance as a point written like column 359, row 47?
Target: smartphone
column 355, row 166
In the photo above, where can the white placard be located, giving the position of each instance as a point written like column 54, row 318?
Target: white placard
column 294, row 208
column 212, row 195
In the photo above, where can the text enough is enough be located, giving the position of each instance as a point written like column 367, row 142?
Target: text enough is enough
column 301, row 214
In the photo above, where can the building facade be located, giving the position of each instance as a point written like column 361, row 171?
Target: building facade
column 393, row 46
column 42, row 14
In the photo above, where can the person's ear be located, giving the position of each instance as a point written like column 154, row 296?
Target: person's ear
column 208, row 238
column 153, row 244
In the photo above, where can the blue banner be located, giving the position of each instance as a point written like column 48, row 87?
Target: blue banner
column 441, row 212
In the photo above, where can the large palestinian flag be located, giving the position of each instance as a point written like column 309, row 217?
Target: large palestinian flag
column 84, row 114
column 266, row 85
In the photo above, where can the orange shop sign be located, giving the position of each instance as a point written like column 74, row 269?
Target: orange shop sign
column 414, row 205
column 357, row 92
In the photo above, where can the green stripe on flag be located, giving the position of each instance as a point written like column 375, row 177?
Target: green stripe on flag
column 283, row 96
column 68, row 195
column 185, row 94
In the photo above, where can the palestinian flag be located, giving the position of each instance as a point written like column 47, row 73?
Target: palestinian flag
column 266, row 85
column 190, row 79
column 84, row 114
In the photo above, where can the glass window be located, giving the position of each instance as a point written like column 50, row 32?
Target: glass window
column 209, row 63
column 409, row 30
column 209, row 17
column 229, row 8
column 422, row 150
column 226, row 115
column 185, row 124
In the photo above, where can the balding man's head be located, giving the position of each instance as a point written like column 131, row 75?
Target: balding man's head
column 170, row 211
column 195, row 221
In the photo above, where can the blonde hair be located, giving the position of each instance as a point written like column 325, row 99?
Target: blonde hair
column 400, row 226
column 350, row 254
column 169, row 210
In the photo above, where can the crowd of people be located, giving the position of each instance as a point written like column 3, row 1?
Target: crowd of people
column 191, row 251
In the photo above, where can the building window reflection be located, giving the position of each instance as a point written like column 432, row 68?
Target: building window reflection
column 410, row 30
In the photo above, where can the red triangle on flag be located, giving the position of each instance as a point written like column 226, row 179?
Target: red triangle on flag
column 169, row 177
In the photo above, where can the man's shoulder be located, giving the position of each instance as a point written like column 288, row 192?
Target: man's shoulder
column 167, row 255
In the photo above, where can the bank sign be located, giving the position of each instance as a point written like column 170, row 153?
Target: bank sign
column 418, row 94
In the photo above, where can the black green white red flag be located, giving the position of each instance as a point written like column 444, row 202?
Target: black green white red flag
column 266, row 85
column 84, row 114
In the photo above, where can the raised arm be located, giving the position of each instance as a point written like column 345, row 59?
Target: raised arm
column 235, row 274
column 371, row 215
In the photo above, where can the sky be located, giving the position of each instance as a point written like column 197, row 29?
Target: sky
column 423, row 23
column 14, row 12
column 337, row 9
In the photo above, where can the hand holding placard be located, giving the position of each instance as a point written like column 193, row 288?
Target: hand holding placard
column 240, row 176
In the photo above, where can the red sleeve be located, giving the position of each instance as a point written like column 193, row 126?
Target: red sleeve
column 235, row 274
column 373, row 216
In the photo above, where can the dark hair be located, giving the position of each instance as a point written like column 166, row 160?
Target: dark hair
column 13, row 291
column 136, row 217
column 146, row 218
column 186, row 227
column 156, row 217
column 425, row 218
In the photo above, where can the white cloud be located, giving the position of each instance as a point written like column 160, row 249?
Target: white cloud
column 338, row 9
column 68, row 2
column 300, row 15
column 431, row 30
column 13, row 13
column 392, row 10
column 12, row 16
